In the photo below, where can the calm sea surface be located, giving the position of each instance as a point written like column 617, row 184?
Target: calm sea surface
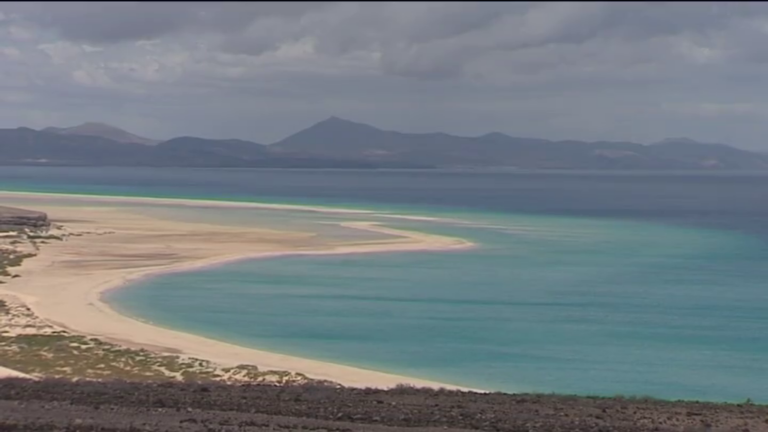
column 588, row 283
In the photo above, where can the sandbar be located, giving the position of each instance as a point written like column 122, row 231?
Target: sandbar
column 109, row 247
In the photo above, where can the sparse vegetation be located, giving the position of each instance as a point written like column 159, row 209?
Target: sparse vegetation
column 31, row 346
column 9, row 259
column 16, row 246
column 78, row 357
column 44, row 237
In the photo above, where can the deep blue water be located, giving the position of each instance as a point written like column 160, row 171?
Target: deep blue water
column 589, row 283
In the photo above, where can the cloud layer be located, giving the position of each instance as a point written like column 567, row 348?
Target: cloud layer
column 620, row 71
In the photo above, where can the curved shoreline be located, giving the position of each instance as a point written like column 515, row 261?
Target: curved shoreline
column 93, row 317
column 96, row 298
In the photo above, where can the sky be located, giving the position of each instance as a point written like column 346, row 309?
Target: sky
column 628, row 71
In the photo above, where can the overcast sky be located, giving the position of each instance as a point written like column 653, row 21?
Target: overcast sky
column 261, row 71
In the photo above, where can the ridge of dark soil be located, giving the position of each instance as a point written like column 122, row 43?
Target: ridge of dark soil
column 59, row 405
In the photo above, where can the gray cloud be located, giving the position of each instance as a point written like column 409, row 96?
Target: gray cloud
column 111, row 22
column 639, row 71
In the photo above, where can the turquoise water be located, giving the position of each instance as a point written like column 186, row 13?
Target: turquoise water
column 545, row 304
column 670, row 304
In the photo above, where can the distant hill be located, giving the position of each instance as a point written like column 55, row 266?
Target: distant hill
column 339, row 143
column 102, row 130
column 25, row 146
column 707, row 155
column 231, row 148
column 186, row 151
column 335, row 137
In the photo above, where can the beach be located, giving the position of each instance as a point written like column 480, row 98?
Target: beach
column 107, row 247
column 10, row 373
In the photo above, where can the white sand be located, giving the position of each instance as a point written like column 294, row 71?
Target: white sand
column 64, row 283
column 10, row 373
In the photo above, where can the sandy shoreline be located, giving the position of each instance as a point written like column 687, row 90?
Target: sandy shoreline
column 10, row 373
column 64, row 283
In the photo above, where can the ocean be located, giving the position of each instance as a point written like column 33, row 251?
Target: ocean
column 640, row 284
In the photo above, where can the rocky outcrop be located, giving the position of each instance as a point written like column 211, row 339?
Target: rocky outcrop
column 14, row 218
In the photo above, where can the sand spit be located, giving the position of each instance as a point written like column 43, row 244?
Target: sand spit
column 105, row 248
column 177, row 201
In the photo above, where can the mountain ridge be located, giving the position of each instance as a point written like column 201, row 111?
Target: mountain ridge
column 335, row 137
column 339, row 143
column 102, row 130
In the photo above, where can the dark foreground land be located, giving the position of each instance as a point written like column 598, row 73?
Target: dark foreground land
column 120, row 406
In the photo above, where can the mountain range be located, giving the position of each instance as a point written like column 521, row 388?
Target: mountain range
column 339, row 143
column 102, row 130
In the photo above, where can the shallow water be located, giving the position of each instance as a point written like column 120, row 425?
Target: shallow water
column 637, row 290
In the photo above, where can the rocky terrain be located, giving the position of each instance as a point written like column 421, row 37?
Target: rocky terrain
column 16, row 219
column 22, row 232
column 122, row 406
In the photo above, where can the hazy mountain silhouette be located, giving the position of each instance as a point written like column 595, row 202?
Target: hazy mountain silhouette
column 25, row 146
column 335, row 137
column 339, row 143
column 102, row 130
column 229, row 148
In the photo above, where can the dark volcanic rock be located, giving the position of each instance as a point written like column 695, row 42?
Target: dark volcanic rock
column 119, row 406
column 14, row 218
